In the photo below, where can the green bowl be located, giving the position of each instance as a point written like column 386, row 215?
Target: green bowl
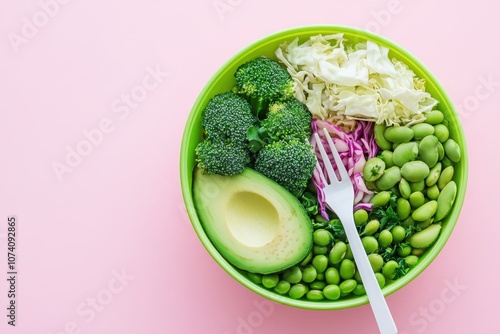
column 223, row 80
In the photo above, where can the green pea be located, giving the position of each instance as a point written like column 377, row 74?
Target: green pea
column 317, row 250
column 376, row 261
column 415, row 171
column 422, row 130
column 441, row 132
column 359, row 290
column 428, row 150
column 347, row 269
column 403, row 249
column 445, row 200
column 317, row 285
column 403, row 208
column 433, row 192
column 389, row 178
column 404, row 188
column 380, row 140
column 282, row 287
column 389, row 269
column 347, row 286
column 297, row 291
column 445, row 177
column 338, row 252
column 417, row 186
column 331, row 292
column 417, row 199
column 398, row 134
column 360, row 217
column 322, row 237
column 398, row 233
column 433, row 176
column 434, row 117
column 380, row 199
column 315, row 295
column 307, row 259
column 373, row 169
column 293, row 275
column 404, row 153
column 270, row 280
column 411, row 260
column 380, row 279
column 320, row 262
column 370, row 244
column 425, row 211
column 452, row 150
column 385, row 238
column 371, row 227
column 332, row 275
column 425, row 238
column 387, row 157
column 309, row 274
column 256, row 278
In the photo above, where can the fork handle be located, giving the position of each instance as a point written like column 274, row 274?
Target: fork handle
column 377, row 301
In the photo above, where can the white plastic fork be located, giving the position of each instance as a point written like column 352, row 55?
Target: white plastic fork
column 339, row 197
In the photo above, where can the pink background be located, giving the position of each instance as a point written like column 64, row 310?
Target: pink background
column 108, row 248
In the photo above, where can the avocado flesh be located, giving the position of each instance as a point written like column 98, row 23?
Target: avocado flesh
column 254, row 223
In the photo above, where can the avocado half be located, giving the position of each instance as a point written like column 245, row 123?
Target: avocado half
column 255, row 223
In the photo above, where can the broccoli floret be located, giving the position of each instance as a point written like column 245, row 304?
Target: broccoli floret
column 263, row 80
column 222, row 157
column 228, row 116
column 288, row 120
column 289, row 163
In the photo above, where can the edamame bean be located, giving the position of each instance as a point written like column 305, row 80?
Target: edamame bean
column 347, row 286
column 320, row 249
column 434, row 117
column 307, row 259
column 315, row 295
column 425, row 211
column 317, row 285
column 385, row 238
column 347, row 269
column 359, row 290
column 417, row 199
column 387, row 157
column 380, row 279
column 446, row 162
column 433, row 176
column 282, row 287
column 422, row 130
column 425, row 238
column 404, row 153
column 445, row 177
column 403, row 250
column 370, row 244
column 348, row 254
column 376, row 261
column 408, row 222
column 331, row 292
column 445, row 200
column 441, row 132
column 256, row 278
column 371, row 227
column 417, row 186
column 398, row 233
column 297, row 291
column 415, row 171
column 293, row 275
column 373, row 169
column 320, row 262
column 425, row 223
column 309, row 274
column 382, row 142
column 360, row 217
column 332, row 276
column 411, row 260
column 403, row 208
column 440, row 151
column 389, row 179
column 270, row 280
column 398, row 134
column 381, row 198
column 428, row 150
column 322, row 237
column 404, row 188
column 338, row 252
column 320, row 276
column 452, row 150
column 433, row 192
column 389, row 269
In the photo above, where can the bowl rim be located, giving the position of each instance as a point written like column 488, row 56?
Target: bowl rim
column 186, row 182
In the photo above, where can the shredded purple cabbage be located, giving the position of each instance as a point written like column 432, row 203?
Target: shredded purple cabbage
column 354, row 149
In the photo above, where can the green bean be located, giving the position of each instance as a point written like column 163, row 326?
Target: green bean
column 297, row 291
column 415, row 171
column 425, row 211
column 347, row 269
column 338, row 252
column 398, row 134
column 425, row 238
column 446, row 199
column 331, row 292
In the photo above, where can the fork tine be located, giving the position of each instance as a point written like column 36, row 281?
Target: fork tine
column 336, row 156
column 326, row 160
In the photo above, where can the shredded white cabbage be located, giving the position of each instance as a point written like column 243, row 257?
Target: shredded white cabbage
column 357, row 82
